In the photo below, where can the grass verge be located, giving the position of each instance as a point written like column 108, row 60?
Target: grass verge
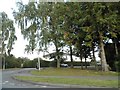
column 72, row 81
column 71, row 72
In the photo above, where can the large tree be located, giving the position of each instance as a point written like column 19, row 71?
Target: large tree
column 102, row 21
column 82, row 22
column 39, row 25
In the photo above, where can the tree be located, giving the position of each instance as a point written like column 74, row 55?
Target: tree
column 8, row 31
column 55, row 33
column 27, row 15
column 90, row 20
column 102, row 20
column 42, row 29
column 7, row 34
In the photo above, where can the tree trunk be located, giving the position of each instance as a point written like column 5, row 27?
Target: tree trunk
column 57, row 55
column 85, row 62
column 71, row 56
column 96, row 66
column 102, row 54
column 116, row 48
column 81, row 62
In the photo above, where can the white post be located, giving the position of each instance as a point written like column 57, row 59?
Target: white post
column 38, row 61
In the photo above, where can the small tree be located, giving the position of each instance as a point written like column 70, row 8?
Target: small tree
column 7, row 33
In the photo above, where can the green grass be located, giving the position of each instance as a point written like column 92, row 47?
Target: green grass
column 71, row 72
column 72, row 81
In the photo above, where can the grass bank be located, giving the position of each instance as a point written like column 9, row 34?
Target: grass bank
column 71, row 72
column 72, row 81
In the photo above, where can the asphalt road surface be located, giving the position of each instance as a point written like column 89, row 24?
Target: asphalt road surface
column 9, row 82
column 0, row 79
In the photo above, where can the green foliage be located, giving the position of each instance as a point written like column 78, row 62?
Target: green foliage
column 12, row 62
column 53, row 63
column 43, row 63
column 29, row 64
column 33, row 63
column 7, row 32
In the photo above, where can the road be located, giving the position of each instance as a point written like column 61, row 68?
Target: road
column 0, row 79
column 9, row 82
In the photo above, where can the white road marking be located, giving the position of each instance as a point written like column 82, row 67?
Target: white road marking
column 44, row 86
column 6, row 81
column 23, row 85
column 3, row 83
column 40, row 86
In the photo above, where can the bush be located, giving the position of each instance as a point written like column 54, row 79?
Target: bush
column 53, row 63
column 12, row 62
column 117, row 66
